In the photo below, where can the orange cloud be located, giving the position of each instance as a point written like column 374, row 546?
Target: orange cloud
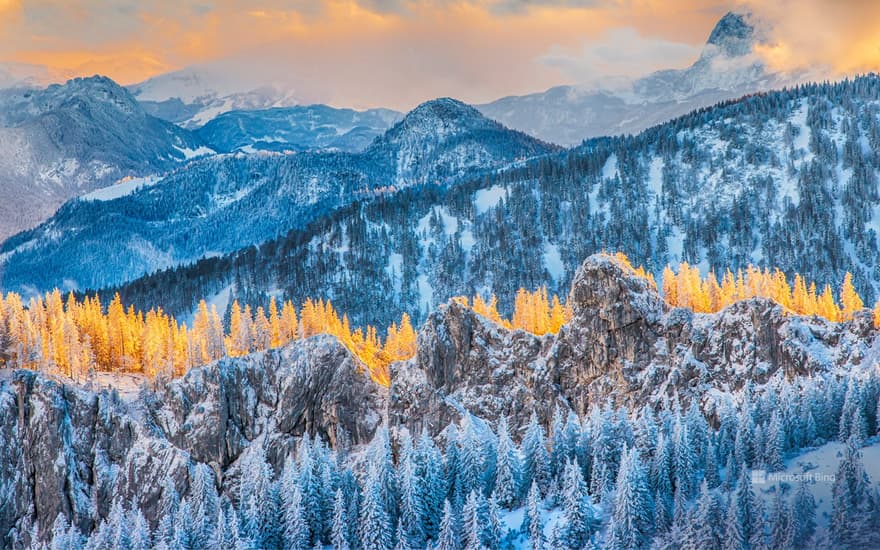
column 828, row 37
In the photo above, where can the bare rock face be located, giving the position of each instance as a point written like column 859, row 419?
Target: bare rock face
column 77, row 449
column 624, row 345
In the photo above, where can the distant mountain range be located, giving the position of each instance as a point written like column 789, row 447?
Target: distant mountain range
column 223, row 203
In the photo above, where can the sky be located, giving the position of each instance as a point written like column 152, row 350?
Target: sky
column 397, row 53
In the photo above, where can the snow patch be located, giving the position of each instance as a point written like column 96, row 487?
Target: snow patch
column 485, row 199
column 122, row 188
column 553, row 261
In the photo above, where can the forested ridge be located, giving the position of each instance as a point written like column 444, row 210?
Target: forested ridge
column 786, row 180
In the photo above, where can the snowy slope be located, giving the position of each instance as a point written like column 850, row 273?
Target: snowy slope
column 62, row 141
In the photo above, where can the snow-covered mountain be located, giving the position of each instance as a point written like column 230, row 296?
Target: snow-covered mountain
column 301, row 128
column 193, row 96
column 726, row 69
column 786, row 179
column 65, row 140
column 677, row 407
column 217, row 205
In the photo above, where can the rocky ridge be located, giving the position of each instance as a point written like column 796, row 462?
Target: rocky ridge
column 78, row 449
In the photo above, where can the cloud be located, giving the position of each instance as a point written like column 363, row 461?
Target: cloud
column 831, row 37
column 620, row 52
column 397, row 53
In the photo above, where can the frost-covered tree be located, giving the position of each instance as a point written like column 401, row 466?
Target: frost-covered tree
column 852, row 501
column 774, row 444
column 377, row 530
column 533, row 526
column 448, row 539
column 339, row 537
column 296, row 527
column 781, row 524
column 507, row 468
column 578, row 519
column 706, row 532
column 411, row 531
column 803, row 515
column 535, row 464
column 632, row 520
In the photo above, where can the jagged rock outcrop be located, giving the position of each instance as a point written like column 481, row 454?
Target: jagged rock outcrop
column 67, row 449
column 624, row 345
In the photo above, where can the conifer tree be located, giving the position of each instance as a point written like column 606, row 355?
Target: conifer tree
column 578, row 521
column 852, row 500
column 339, row 537
column 533, row 526
column 632, row 523
column 535, row 458
column 507, row 468
column 377, row 530
column 781, row 524
column 706, row 531
column 296, row 528
column 448, row 537
column 803, row 515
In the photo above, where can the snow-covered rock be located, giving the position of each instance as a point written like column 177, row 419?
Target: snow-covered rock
column 66, row 448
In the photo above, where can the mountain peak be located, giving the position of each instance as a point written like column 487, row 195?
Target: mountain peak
column 436, row 120
column 733, row 35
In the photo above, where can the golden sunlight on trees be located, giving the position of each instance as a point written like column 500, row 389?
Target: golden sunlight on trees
column 72, row 338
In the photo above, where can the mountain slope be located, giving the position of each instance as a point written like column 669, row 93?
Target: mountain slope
column 567, row 115
column 218, row 205
column 787, row 179
column 301, row 128
column 65, row 140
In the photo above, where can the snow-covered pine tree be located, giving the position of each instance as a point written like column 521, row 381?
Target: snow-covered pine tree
column 632, row 523
column 803, row 515
column 470, row 462
column 296, row 527
column 433, row 480
column 743, row 523
column 774, row 444
column 711, row 474
column 781, row 527
column 205, row 501
column 448, row 538
column 339, row 537
column 377, row 530
column 535, row 463
column 685, row 460
column 474, row 522
column 59, row 533
column 646, row 434
column 507, row 468
column 411, row 530
column 533, row 526
column 852, row 500
column 706, row 532
column 578, row 520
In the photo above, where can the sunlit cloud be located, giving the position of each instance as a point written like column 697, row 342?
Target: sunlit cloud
column 397, row 53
